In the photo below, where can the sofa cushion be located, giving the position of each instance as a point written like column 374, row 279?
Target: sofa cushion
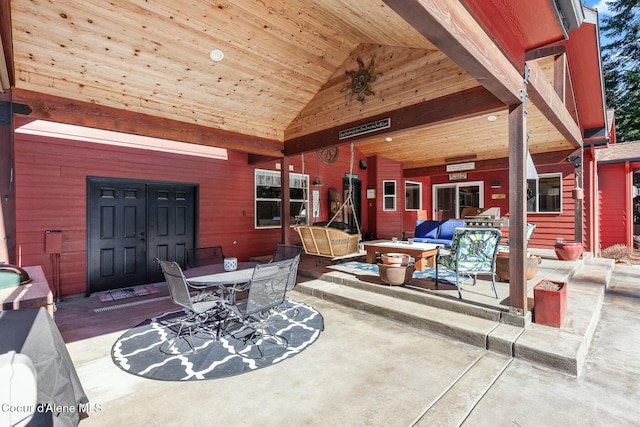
column 426, row 229
column 448, row 227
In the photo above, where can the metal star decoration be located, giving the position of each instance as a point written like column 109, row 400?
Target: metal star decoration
column 360, row 81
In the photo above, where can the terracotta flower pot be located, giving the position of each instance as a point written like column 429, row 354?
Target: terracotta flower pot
column 568, row 251
column 395, row 258
column 550, row 303
column 396, row 275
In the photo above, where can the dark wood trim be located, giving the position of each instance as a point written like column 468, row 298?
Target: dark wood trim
column 256, row 159
column 467, row 103
column 7, row 39
column 543, row 95
column 64, row 110
column 548, row 158
column 517, row 208
column 481, row 166
column 543, row 52
column 560, row 76
column 285, row 205
column 7, row 190
column 453, row 30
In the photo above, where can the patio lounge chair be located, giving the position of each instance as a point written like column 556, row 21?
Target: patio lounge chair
column 201, row 314
column 473, row 251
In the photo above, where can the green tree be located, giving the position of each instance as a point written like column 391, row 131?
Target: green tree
column 621, row 61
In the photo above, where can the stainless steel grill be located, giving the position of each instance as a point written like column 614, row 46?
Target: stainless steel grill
column 488, row 218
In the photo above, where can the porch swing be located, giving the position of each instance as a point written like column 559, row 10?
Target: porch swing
column 326, row 241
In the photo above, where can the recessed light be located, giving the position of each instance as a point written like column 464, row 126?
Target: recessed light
column 388, row 139
column 216, row 55
column 492, row 118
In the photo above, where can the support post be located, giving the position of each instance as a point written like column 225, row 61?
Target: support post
column 285, row 205
column 517, row 208
column 7, row 188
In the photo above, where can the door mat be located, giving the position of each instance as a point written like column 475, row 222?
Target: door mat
column 118, row 294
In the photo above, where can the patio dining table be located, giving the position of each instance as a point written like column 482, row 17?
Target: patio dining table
column 215, row 275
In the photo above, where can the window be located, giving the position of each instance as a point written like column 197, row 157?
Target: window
column 544, row 194
column 267, row 187
column 413, row 196
column 389, row 195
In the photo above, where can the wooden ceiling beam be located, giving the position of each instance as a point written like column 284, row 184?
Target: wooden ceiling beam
column 545, row 98
column 467, row 103
column 6, row 62
column 481, row 166
column 453, row 30
column 63, row 110
column 547, row 158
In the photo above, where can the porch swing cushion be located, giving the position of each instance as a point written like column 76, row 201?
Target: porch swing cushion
column 327, row 241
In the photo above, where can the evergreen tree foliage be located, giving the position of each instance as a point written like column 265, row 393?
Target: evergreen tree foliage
column 621, row 63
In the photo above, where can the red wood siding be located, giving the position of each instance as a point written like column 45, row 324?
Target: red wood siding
column 613, row 193
column 51, row 195
column 389, row 223
column 549, row 226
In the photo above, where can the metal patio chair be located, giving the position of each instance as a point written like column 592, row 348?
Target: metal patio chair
column 267, row 291
column 197, row 257
column 473, row 251
column 201, row 315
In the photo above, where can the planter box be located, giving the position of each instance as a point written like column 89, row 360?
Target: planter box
column 550, row 303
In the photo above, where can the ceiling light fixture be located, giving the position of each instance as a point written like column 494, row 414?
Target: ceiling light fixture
column 388, row 139
column 216, row 55
column 492, row 118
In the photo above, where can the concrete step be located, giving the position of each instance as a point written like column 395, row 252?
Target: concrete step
column 565, row 349
column 455, row 405
column 482, row 332
column 371, row 283
column 492, row 328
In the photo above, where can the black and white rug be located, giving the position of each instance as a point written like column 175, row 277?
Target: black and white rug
column 138, row 350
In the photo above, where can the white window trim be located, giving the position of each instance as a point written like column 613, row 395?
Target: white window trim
column 385, row 196
column 537, row 211
column 272, row 178
column 419, row 184
column 456, row 185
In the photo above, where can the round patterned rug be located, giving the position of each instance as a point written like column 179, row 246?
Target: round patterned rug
column 138, row 351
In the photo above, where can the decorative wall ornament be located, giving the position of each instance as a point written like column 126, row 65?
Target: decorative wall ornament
column 329, row 155
column 360, row 81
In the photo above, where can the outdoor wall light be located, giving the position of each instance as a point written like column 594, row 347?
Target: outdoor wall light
column 496, row 184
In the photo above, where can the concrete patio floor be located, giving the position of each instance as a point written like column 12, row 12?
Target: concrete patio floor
column 367, row 370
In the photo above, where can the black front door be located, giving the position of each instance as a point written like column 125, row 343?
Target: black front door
column 131, row 222
column 350, row 215
column 171, row 224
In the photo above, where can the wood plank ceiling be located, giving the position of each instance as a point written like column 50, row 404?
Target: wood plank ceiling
column 282, row 77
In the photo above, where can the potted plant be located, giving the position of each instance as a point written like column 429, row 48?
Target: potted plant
column 396, row 275
column 567, row 250
column 395, row 258
column 550, row 302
